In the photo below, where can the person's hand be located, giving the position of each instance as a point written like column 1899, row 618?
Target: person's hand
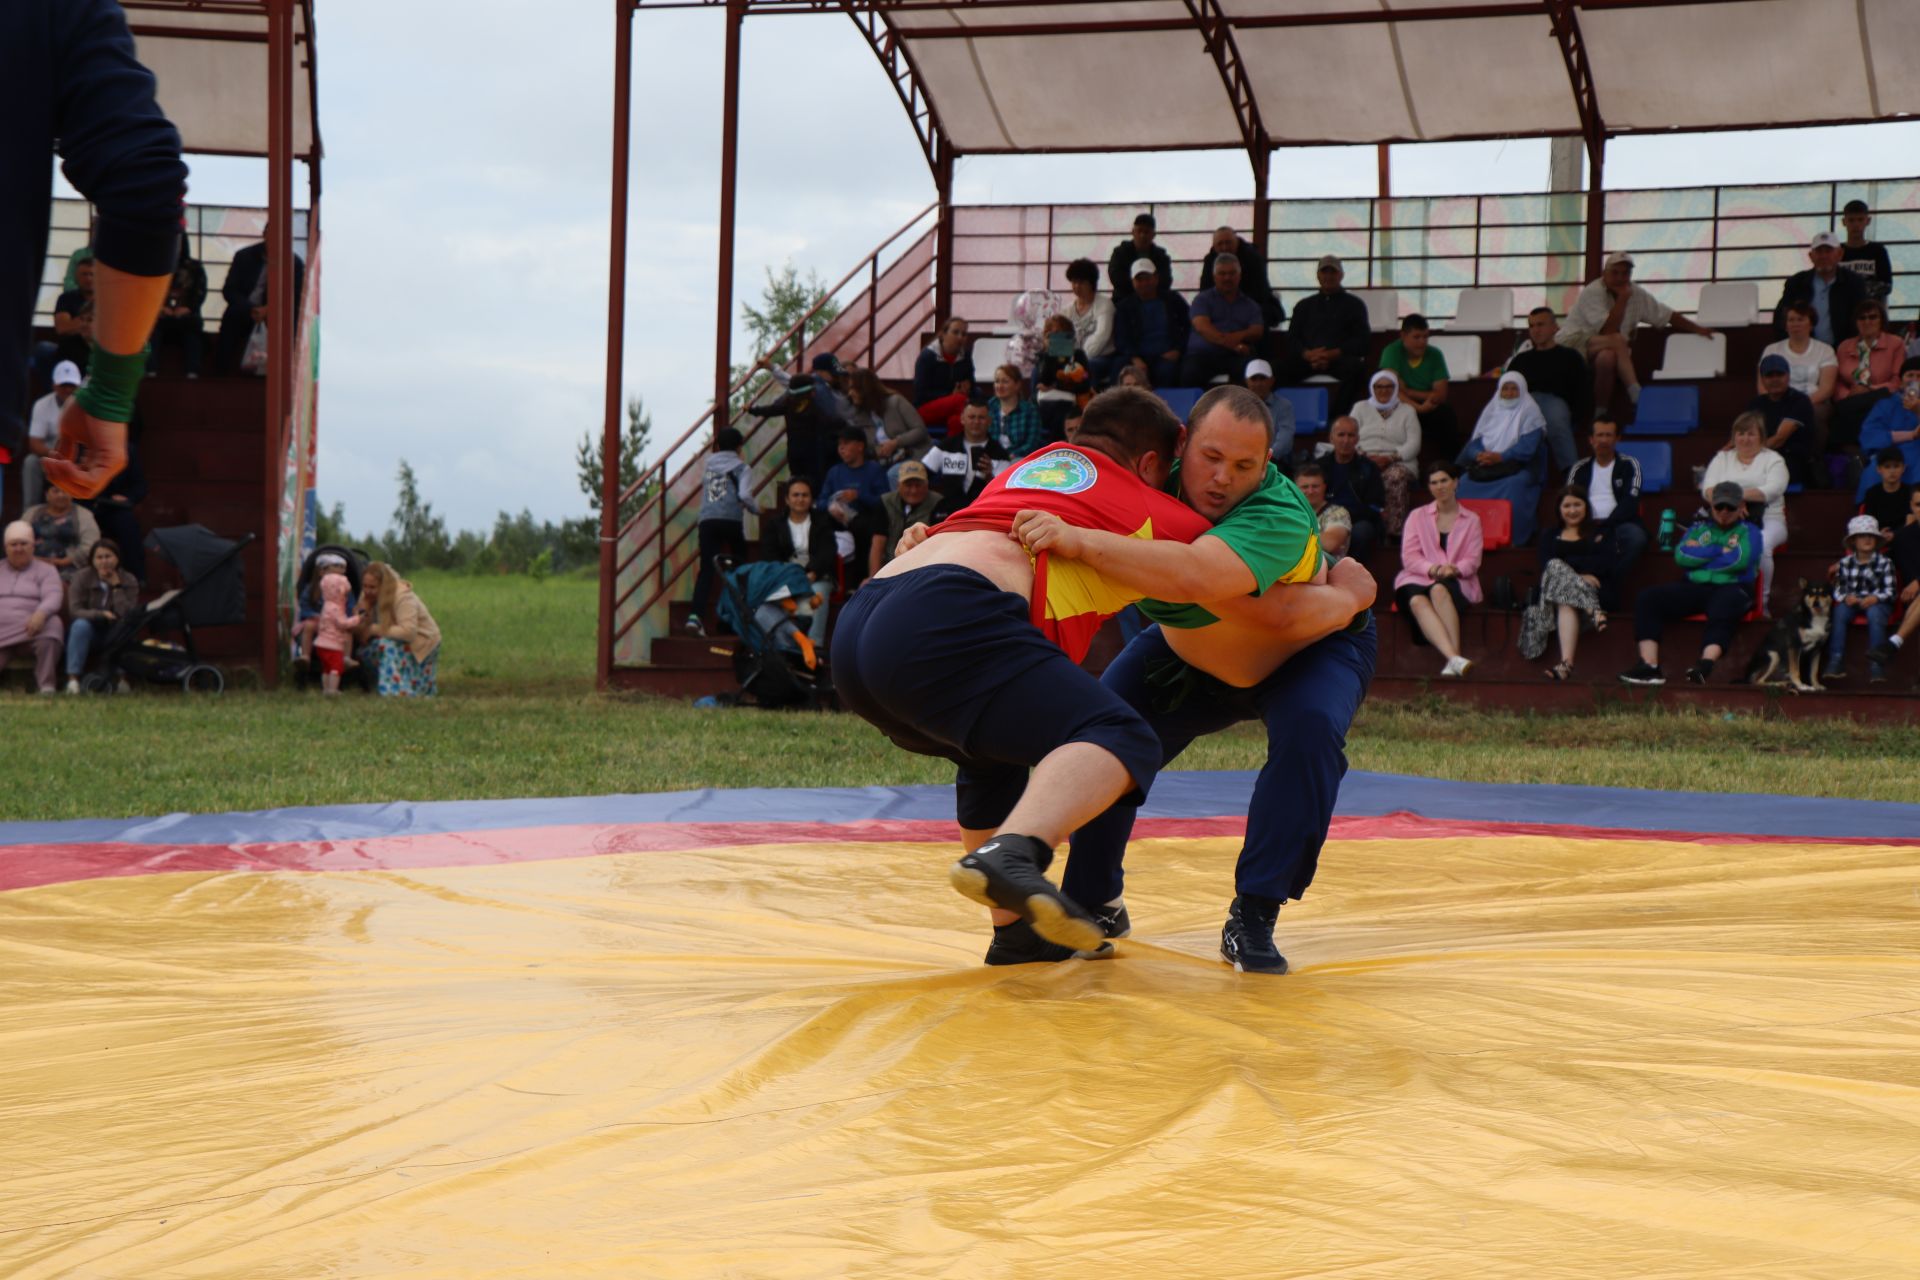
column 35, row 622
column 1850, row 601
column 1352, row 577
column 1382, row 460
column 846, row 495
column 110, row 615
column 1590, row 579
column 1867, row 602
column 1618, row 291
column 814, row 600
column 1440, row 571
column 1040, row 531
column 913, row 537
column 257, row 314
column 1486, row 458
column 887, row 449
column 1908, row 592
column 1169, row 355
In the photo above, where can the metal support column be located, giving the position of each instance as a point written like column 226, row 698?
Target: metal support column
column 1596, row 206
column 729, row 163
column 943, row 246
column 1262, row 158
column 281, row 320
column 612, row 427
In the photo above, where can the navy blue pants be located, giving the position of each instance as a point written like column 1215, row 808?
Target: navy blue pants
column 947, row 664
column 1307, row 706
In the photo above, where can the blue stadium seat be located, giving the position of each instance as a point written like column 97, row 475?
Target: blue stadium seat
column 1180, row 399
column 1309, row 409
column 1656, row 463
column 1666, row 411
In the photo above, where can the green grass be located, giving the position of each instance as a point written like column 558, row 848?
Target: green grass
column 517, row 716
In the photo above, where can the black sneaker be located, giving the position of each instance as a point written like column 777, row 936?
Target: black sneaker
column 1881, row 654
column 1834, row 672
column 1113, row 919
column 1644, row 673
column 1007, row 872
column 1017, row 943
column 1246, row 942
column 1698, row 672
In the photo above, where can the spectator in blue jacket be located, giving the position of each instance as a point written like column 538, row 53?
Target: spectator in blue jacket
column 1893, row 424
column 854, row 487
column 1150, row 330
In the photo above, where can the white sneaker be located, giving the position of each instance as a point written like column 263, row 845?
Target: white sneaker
column 1455, row 668
column 73, row 686
column 122, row 686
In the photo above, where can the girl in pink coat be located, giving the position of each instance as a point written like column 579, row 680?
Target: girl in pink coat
column 335, row 633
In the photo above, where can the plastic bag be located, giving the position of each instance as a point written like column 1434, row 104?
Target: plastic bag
column 255, row 360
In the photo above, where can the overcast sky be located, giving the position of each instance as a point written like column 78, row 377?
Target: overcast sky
column 467, row 161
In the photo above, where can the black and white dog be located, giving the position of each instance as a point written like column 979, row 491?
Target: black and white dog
column 1799, row 636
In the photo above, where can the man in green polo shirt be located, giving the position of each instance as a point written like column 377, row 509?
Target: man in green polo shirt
column 1298, row 659
column 1423, row 374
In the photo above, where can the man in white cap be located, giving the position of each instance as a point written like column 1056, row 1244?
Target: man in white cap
column 1601, row 324
column 1150, row 328
column 43, row 431
column 1260, row 382
column 1831, row 292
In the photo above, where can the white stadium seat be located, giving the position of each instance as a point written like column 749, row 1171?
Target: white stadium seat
column 1482, row 311
column 1728, row 306
column 1462, row 351
column 1691, row 356
column 1383, row 308
column 988, row 354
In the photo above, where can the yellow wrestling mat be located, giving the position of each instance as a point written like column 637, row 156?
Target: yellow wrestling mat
column 1499, row 1056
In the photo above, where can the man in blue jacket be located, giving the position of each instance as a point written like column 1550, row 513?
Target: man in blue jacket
column 68, row 72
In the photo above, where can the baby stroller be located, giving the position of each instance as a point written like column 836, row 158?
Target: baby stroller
column 214, row 595
column 771, row 671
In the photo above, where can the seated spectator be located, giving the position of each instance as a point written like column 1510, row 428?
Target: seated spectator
column 1905, row 553
column 1894, row 424
column 30, row 600
column 1354, row 483
column 73, row 318
column 725, row 485
column 1423, row 374
column 70, row 279
column 245, row 292
column 1134, row 375
column 1123, row 264
column 805, row 538
column 1390, row 437
column 1090, row 312
column 180, row 319
column 63, row 534
column 99, row 596
column 401, row 639
column 1336, row 523
column 1579, row 582
column 1440, row 568
column 1260, row 382
column 1151, row 330
column 811, row 429
column 1013, row 419
column 1227, row 328
column 1762, row 476
column 1612, row 482
column 1253, row 275
column 1502, row 460
column 1329, row 335
column 1813, row 369
column 1719, row 555
column 1886, row 501
column 961, row 466
column 1556, row 378
column 912, row 502
column 1790, row 419
column 1602, row 322
column 1870, row 361
column 1834, row 294
column 1862, row 256
column 854, row 487
column 1863, row 584
column 894, row 428
column 943, row 377
column 43, row 431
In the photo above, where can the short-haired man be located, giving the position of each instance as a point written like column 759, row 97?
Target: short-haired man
column 912, row 502
column 968, row 647
column 1354, row 482
column 1336, row 523
column 1600, row 327
column 1423, row 383
column 1790, row 418
column 1254, row 281
column 1123, row 262
column 1862, row 256
column 73, row 316
column 1556, row 379
column 853, row 491
column 1260, row 382
column 1298, row 659
column 43, row 431
column 1227, row 328
column 1329, row 335
column 1151, row 326
column 961, row 466
column 1720, row 556
column 1832, row 292
column 30, row 598
column 1612, row 482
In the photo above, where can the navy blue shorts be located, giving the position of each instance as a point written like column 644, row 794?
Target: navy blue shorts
column 947, row 664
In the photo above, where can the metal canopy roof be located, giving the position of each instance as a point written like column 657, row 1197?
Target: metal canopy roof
column 983, row 77
column 210, row 58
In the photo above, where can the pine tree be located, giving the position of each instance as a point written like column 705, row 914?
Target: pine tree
column 633, row 447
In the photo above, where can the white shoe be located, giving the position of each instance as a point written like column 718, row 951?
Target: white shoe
column 73, row 686
column 1455, row 668
column 48, row 693
column 122, row 686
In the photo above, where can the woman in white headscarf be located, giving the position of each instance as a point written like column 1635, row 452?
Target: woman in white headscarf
column 1390, row 437
column 1503, row 460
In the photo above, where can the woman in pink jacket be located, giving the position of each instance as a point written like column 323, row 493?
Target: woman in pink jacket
column 1440, row 547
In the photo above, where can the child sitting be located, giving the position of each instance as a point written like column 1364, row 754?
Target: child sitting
column 1862, row 583
column 334, row 635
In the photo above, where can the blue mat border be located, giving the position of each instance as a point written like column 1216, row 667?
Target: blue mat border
column 1176, row 795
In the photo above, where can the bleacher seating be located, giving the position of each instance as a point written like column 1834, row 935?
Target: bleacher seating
column 1656, row 463
column 1180, row 399
column 1666, row 411
column 1309, row 409
column 989, row 353
column 1693, row 355
column 1728, row 306
column 1383, row 308
column 1482, row 311
column 1462, row 351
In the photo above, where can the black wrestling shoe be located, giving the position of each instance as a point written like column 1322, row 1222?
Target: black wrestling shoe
column 1007, row 872
column 1246, row 942
column 1017, row 943
column 1113, row 920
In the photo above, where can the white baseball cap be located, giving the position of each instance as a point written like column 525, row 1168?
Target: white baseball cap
column 1862, row 526
column 1614, row 259
column 66, row 374
column 1825, row 240
column 1145, row 267
column 1259, row 369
